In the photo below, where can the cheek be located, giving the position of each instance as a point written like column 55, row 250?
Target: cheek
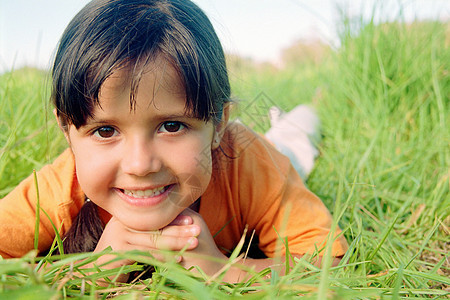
column 194, row 180
column 197, row 160
column 203, row 164
column 202, row 170
column 193, row 166
column 93, row 170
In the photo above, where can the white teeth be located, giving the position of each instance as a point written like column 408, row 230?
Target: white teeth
column 145, row 193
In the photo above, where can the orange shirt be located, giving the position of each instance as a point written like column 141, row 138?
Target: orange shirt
column 252, row 184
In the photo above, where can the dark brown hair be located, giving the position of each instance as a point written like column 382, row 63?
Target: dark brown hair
column 85, row 231
column 107, row 35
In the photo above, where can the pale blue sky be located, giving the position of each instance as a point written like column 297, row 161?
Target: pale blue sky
column 29, row 30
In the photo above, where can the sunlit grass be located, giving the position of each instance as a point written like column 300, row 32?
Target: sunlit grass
column 383, row 171
column 383, row 102
column 28, row 133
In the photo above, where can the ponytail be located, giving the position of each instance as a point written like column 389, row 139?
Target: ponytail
column 85, row 231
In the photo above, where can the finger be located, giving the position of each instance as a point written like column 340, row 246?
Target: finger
column 181, row 231
column 152, row 241
column 182, row 220
column 196, row 218
column 173, row 243
column 172, row 230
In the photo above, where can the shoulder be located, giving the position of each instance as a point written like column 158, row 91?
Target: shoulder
column 60, row 196
column 243, row 148
column 56, row 183
column 56, row 175
column 62, row 168
column 248, row 168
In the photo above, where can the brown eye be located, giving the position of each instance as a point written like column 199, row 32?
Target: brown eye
column 105, row 132
column 171, row 127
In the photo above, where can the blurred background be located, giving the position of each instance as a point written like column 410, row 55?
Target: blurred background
column 256, row 29
column 377, row 73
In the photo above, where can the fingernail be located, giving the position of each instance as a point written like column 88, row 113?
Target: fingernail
column 195, row 230
column 178, row 258
column 191, row 240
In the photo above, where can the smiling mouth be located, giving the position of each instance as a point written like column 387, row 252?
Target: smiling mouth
column 146, row 193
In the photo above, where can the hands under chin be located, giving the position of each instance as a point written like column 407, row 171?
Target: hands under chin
column 205, row 255
column 188, row 231
column 180, row 234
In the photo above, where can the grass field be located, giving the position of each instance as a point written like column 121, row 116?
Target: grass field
column 383, row 170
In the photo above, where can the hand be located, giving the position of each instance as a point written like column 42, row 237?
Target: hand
column 180, row 233
column 206, row 247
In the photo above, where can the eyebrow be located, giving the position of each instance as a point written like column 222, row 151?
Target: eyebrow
column 182, row 117
column 92, row 121
column 158, row 117
column 168, row 116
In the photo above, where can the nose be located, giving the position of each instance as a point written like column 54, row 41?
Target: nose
column 140, row 157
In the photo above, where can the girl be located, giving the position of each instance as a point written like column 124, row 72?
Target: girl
column 142, row 96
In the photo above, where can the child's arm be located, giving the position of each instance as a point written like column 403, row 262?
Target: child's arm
column 208, row 248
column 60, row 201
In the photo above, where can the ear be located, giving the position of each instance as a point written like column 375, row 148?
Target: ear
column 64, row 128
column 220, row 128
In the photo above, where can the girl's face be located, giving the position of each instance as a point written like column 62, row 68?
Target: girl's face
column 147, row 164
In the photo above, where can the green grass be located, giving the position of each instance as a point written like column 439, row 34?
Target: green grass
column 28, row 133
column 383, row 171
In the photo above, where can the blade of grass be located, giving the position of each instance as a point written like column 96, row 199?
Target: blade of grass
column 383, row 239
column 38, row 215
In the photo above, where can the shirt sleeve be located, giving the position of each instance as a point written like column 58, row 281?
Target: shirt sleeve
column 299, row 215
column 276, row 203
column 60, row 196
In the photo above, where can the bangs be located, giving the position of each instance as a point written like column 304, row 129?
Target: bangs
column 107, row 36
